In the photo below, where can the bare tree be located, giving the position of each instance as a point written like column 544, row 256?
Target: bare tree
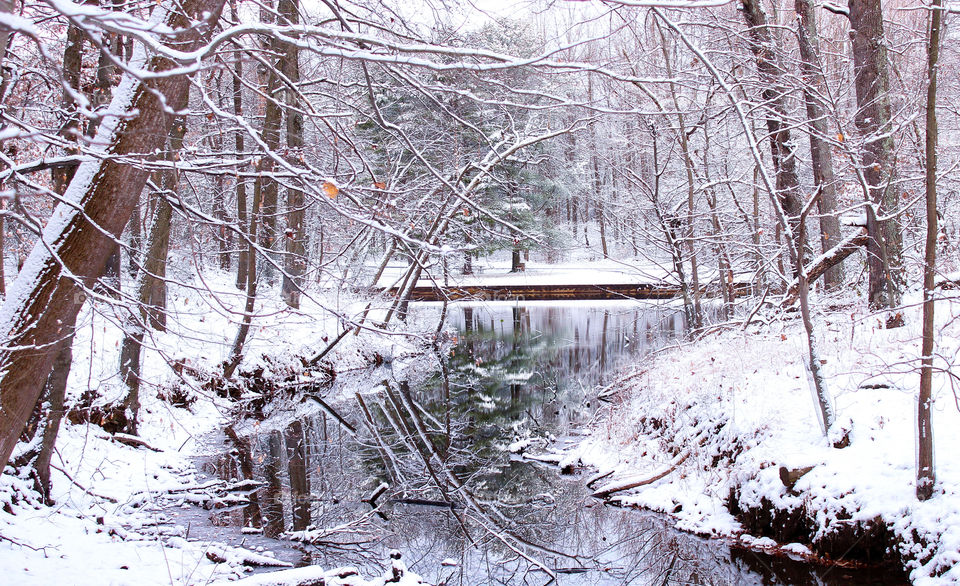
column 814, row 96
column 873, row 120
column 926, row 476
column 295, row 260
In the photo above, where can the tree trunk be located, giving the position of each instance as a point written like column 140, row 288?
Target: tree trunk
column 688, row 235
column 81, row 234
column 153, row 289
column 295, row 261
column 820, row 155
column 269, row 189
column 271, row 503
column 781, row 145
column 871, row 79
column 103, row 88
column 221, row 234
column 515, row 263
column 241, row 186
column 236, row 351
column 56, row 391
column 926, row 477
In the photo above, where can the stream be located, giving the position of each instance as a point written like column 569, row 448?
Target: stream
column 449, row 437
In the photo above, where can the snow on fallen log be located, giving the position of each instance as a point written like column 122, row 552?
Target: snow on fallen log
column 220, row 553
column 306, row 576
column 346, row 576
column 132, row 441
column 637, row 481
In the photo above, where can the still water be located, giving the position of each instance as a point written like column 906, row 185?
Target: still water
column 462, row 506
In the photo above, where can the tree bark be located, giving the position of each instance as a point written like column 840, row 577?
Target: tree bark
column 271, row 501
column 48, row 294
column 295, row 261
column 820, row 155
column 298, row 469
column 56, row 391
column 926, row 476
column 239, row 144
column 103, row 88
column 153, row 288
column 269, row 189
column 871, row 80
column 236, row 351
column 781, row 145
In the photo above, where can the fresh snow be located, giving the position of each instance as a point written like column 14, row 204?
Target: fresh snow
column 93, row 540
column 737, row 401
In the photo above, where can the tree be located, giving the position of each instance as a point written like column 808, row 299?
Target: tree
column 78, row 240
column 821, row 159
column 295, row 238
column 873, row 120
column 926, row 476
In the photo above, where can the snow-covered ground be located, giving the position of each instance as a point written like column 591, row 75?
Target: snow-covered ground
column 108, row 525
column 728, row 411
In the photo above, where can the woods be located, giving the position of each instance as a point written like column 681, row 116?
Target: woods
column 765, row 160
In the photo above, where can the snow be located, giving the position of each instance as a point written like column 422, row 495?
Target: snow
column 738, row 401
column 316, row 575
column 42, row 257
column 109, row 524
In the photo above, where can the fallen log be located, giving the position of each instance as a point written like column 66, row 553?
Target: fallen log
column 789, row 476
column 132, row 441
column 305, row 576
column 219, row 553
column 634, row 481
column 425, row 503
column 598, row 477
column 826, row 261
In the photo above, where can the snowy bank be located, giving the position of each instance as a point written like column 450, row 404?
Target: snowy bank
column 111, row 522
column 723, row 435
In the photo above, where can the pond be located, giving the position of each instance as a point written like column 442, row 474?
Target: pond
column 431, row 458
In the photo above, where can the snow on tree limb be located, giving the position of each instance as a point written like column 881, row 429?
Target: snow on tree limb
column 80, row 236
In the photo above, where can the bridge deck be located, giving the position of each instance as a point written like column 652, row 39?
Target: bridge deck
column 526, row 292
column 556, row 292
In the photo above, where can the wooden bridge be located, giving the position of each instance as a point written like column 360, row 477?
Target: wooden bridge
column 528, row 292
column 556, row 292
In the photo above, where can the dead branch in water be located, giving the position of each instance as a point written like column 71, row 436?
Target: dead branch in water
column 633, row 482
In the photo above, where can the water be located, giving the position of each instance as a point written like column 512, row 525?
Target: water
column 462, row 508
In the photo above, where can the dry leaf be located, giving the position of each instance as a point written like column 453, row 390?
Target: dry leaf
column 330, row 189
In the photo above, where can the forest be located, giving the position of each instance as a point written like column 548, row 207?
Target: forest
column 212, row 209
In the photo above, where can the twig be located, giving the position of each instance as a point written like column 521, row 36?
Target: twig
column 21, row 544
column 80, row 486
column 756, row 309
column 622, row 485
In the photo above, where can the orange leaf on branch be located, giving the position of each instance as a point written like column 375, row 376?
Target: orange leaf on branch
column 330, row 189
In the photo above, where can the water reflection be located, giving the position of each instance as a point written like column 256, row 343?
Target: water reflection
column 464, row 508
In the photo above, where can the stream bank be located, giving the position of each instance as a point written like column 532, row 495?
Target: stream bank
column 470, row 462
column 734, row 410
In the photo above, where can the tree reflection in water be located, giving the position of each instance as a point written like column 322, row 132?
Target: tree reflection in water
column 462, row 508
